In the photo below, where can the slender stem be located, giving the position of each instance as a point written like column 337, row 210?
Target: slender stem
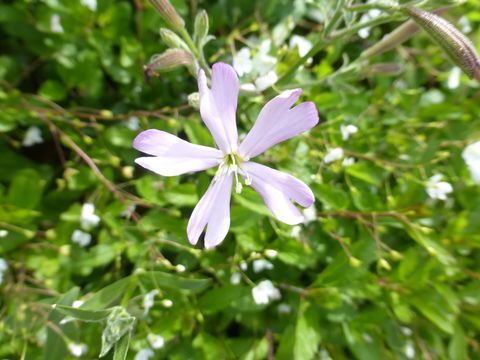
column 335, row 17
column 198, row 53
column 323, row 41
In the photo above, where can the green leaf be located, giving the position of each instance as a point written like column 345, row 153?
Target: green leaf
column 220, row 298
column 121, row 347
column 182, row 195
column 307, row 332
column 165, row 280
column 332, row 196
column 119, row 324
column 26, row 189
column 109, row 294
column 81, row 314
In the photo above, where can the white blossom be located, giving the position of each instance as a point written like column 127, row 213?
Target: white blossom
column 167, row 303
column 3, row 268
column 180, row 268
column 91, row 4
column 348, row 161
column 471, row 155
column 265, row 292
column 454, row 78
column 333, row 155
column 410, row 350
column 369, row 15
column 310, row 215
column 284, row 308
column 3, row 233
column 242, row 61
column 87, row 218
column 235, row 278
column 265, row 81
column 438, row 189
column 261, row 264
column 272, row 254
column 81, row 238
column 33, row 136
column 55, row 24
column 77, row 350
column 348, row 130
column 302, row 44
column 243, row 266
column 296, row 230
column 148, row 301
column 144, row 354
column 156, row 341
column 133, row 123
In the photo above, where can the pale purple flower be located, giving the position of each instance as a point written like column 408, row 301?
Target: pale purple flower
column 277, row 122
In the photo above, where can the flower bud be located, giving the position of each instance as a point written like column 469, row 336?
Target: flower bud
column 168, row 13
column 457, row 46
column 194, row 100
column 200, row 28
column 169, row 60
column 172, row 40
column 384, row 69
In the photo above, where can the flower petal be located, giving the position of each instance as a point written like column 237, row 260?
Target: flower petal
column 213, row 210
column 218, row 105
column 277, row 122
column 172, row 155
column 279, row 190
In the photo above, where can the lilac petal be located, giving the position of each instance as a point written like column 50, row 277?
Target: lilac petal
column 279, row 190
column 219, row 104
column 277, row 122
column 172, row 155
column 213, row 210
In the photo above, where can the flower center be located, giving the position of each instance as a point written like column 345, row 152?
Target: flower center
column 232, row 163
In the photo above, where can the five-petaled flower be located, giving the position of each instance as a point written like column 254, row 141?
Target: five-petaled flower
column 276, row 122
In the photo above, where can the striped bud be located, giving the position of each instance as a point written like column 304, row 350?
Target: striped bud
column 457, row 46
column 168, row 13
column 169, row 60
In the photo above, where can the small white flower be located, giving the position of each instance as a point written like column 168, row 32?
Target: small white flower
column 77, row 303
column 454, row 78
column 3, row 233
column 261, row 264
column 243, row 266
column 367, row 338
column 148, row 301
column 471, row 155
column 464, row 25
column 235, row 278
column 265, row 292
column 144, row 354
column 156, row 341
column 3, row 265
column 55, row 24
column 133, row 123
column 410, row 350
column 310, row 215
column 406, row 331
column 333, row 155
column 128, row 211
column 91, row 4
column 370, row 15
column 32, row 136
column 248, row 87
column 296, row 230
column 272, row 254
column 265, row 81
column 438, row 189
column 284, row 308
column 348, row 161
column 77, row 350
column 302, row 44
column 180, row 268
column 348, row 130
column 81, row 238
column 167, row 303
column 87, row 218
column 242, row 61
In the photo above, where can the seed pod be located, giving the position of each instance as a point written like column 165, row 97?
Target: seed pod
column 457, row 46
column 168, row 13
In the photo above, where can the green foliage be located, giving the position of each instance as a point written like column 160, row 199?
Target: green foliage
column 378, row 271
